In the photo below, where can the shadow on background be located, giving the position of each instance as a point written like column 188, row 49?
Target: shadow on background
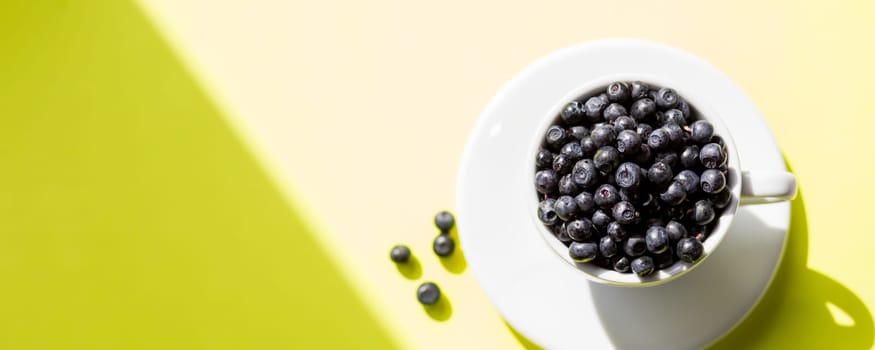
column 455, row 263
column 411, row 270
column 440, row 311
column 803, row 308
column 525, row 342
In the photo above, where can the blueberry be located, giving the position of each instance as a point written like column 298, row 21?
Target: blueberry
column 635, row 246
column 546, row 181
column 572, row 151
column 603, row 135
column 606, row 159
column 643, row 156
column 628, row 175
column 664, row 259
column 651, row 94
column 561, row 232
column 722, row 199
column 443, row 245
column 444, row 221
column 622, row 265
column 689, row 180
column 562, row 164
column 600, row 220
column 701, row 131
column 579, row 230
column 573, row 113
column 594, row 107
column 690, row 157
column 613, row 111
column 565, row 207
column 643, row 130
column 544, row 159
column 639, row 90
column 607, row 247
column 628, row 142
column 656, row 239
column 673, row 116
column 684, row 107
column 616, row 231
column 690, row 249
column 585, row 202
column 585, row 173
column 675, row 134
column 712, row 181
column 674, row 194
column 624, row 123
column 668, row 158
column 666, row 98
column 618, row 92
column 659, row 174
column 567, row 185
column 703, row 212
column 546, row 213
column 555, row 136
column 606, row 196
column 428, row 293
column 582, row 252
column 588, row 146
column 642, row 266
column 712, row 155
column 578, row 132
column 642, row 108
column 658, row 139
column 625, row 213
column 400, row 254
column 675, row 230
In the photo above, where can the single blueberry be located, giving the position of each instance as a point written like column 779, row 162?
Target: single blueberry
column 666, row 98
column 562, row 164
column 712, row 155
column 618, row 92
column 675, row 134
column 561, row 232
column 673, row 116
column 606, row 196
column 659, row 174
column 555, row 136
column 668, row 158
column 712, row 181
column 428, row 293
column 625, row 213
column 607, row 247
column 658, row 139
column 600, row 220
column 546, row 181
column 582, row 252
column 642, row 108
column 639, row 90
column 443, row 245
column 689, row 179
column 690, row 249
column 651, row 94
column 674, row 194
column 578, row 132
column 628, row 142
column 546, row 212
column 603, row 135
column 622, row 265
column 628, row 175
column 585, row 173
column 722, row 199
column 656, row 239
column 625, row 123
column 613, row 111
column 635, row 246
column 643, row 156
column 573, row 113
column 675, row 230
column 580, row 229
column 572, row 151
column 701, row 131
column 690, row 157
column 565, row 207
column 585, row 202
column 567, row 185
column 643, row 130
column 703, row 212
column 444, row 221
column 684, row 107
column 588, row 146
column 642, row 266
column 616, row 231
column 400, row 253
column 606, row 159
column 594, row 107
column 544, row 159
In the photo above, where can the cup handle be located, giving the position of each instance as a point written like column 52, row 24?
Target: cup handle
column 758, row 187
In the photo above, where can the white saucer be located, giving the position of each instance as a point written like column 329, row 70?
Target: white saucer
column 549, row 301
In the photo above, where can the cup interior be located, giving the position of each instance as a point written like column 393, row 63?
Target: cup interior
column 699, row 109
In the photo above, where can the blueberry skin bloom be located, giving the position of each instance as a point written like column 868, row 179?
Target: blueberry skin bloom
column 400, row 254
column 603, row 135
column 642, row 266
column 613, row 111
column 666, row 98
column 585, row 202
column 628, row 142
column 625, row 213
column 674, row 116
column 572, row 151
column 567, row 185
column 555, row 136
column 585, row 173
column 600, row 219
column 607, row 247
column 565, row 207
column 624, row 123
column 642, row 108
column 616, row 231
column 701, row 132
column 579, row 230
column 675, row 230
column 561, row 164
column 690, row 157
column 544, row 159
column 588, row 146
column 546, row 181
column 656, row 239
column 618, row 92
column 712, row 155
column 573, row 113
column 428, row 293
column 659, row 174
column 628, row 175
column 606, row 159
column 606, row 196
column 658, row 139
column 594, row 107
column 444, row 221
column 689, row 179
column 690, row 249
column 582, row 252
column 443, row 245
column 712, row 181
column 546, row 213
column 578, row 132
column 703, row 212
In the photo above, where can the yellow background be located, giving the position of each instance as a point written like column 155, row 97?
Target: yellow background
column 228, row 174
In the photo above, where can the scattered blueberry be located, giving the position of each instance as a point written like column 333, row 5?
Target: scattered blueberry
column 428, row 293
column 443, row 245
column 444, row 221
column 400, row 254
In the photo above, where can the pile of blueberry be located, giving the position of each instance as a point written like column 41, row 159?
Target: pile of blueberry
column 630, row 180
column 443, row 246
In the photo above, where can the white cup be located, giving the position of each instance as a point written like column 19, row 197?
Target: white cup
column 747, row 187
